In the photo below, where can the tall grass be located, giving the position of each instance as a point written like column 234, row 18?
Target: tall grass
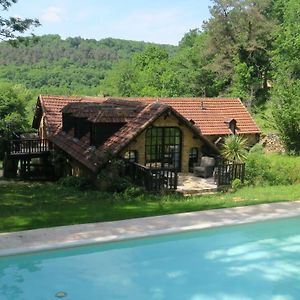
column 272, row 169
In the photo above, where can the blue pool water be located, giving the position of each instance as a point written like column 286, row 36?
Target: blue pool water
column 257, row 261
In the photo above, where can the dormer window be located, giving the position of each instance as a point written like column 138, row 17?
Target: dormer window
column 232, row 125
column 100, row 132
column 81, row 127
column 67, row 122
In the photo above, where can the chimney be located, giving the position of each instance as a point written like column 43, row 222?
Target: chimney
column 202, row 105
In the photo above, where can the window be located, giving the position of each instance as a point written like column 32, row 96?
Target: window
column 163, row 147
column 131, row 155
column 67, row 122
column 193, row 158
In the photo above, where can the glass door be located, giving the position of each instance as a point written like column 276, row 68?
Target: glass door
column 163, row 148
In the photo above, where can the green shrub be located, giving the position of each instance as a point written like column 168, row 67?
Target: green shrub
column 263, row 169
column 112, row 183
column 111, row 178
column 257, row 148
column 79, row 183
column 287, row 167
column 257, row 169
column 120, row 184
column 236, row 184
column 131, row 194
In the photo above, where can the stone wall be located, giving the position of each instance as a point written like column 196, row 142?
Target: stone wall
column 272, row 143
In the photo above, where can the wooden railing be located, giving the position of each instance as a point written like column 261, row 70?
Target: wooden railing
column 27, row 146
column 153, row 180
column 227, row 171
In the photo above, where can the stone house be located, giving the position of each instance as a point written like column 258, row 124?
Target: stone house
column 153, row 132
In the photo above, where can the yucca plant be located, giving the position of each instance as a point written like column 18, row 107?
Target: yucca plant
column 235, row 148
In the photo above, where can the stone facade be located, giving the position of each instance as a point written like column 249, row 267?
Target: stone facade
column 188, row 141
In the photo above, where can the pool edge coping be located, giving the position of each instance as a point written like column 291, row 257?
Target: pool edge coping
column 22, row 242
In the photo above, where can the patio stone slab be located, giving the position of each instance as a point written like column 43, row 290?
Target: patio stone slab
column 191, row 184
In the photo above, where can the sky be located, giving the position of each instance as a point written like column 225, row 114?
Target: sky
column 159, row 21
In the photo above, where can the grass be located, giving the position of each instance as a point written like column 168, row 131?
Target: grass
column 31, row 205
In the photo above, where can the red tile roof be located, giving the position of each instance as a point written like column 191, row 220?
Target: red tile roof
column 51, row 107
column 209, row 114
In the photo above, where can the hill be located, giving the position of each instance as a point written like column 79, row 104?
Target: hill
column 49, row 64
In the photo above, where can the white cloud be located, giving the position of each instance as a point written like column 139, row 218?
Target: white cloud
column 53, row 14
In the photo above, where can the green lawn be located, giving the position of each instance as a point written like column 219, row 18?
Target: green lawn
column 32, row 205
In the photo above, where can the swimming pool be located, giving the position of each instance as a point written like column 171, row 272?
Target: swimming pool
column 253, row 261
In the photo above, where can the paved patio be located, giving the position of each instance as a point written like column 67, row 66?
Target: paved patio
column 75, row 235
column 189, row 184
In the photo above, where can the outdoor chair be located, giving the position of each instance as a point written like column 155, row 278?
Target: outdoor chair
column 205, row 168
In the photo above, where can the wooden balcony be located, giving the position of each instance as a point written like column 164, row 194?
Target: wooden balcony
column 28, row 147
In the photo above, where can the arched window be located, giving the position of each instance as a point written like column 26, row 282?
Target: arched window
column 131, row 155
column 193, row 158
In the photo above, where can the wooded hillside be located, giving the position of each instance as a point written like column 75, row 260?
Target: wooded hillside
column 75, row 65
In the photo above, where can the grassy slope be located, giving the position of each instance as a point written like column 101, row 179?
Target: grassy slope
column 28, row 206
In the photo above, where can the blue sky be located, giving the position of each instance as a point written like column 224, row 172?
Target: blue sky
column 160, row 21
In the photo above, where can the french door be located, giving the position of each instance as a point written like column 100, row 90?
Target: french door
column 163, row 147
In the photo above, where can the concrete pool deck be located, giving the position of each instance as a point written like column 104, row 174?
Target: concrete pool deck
column 76, row 235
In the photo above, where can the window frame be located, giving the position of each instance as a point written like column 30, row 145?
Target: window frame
column 163, row 147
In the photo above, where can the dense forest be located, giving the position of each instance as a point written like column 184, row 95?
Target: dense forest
column 50, row 64
column 247, row 49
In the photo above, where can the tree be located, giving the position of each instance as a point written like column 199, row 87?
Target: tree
column 240, row 32
column 120, row 80
column 286, row 111
column 13, row 113
column 10, row 27
column 191, row 66
column 148, row 73
column 244, row 84
column 286, row 91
